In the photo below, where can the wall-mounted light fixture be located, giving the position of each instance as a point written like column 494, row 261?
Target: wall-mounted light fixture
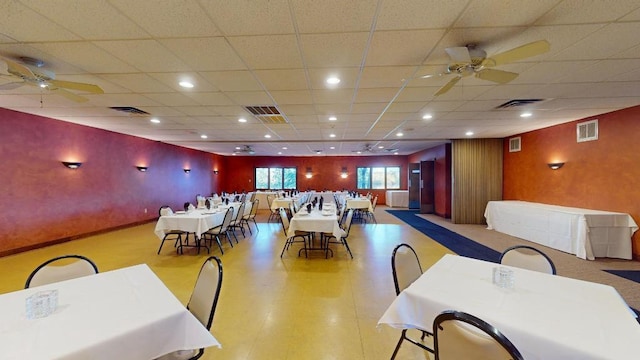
column 187, row 171
column 71, row 165
column 555, row 166
column 215, row 172
column 309, row 174
column 344, row 173
column 142, row 168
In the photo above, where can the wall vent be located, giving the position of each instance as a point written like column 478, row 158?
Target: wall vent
column 514, row 144
column 129, row 109
column 517, row 102
column 267, row 114
column 587, row 131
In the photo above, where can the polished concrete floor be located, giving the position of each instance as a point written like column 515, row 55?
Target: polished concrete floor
column 271, row 307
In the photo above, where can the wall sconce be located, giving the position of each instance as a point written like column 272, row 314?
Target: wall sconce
column 555, row 166
column 71, row 165
column 142, row 168
column 309, row 174
column 344, row 173
column 186, row 171
column 215, row 172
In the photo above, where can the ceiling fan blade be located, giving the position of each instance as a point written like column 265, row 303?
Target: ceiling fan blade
column 519, row 53
column 11, row 85
column 94, row 89
column 459, row 54
column 448, row 85
column 497, row 76
column 18, row 69
column 69, row 95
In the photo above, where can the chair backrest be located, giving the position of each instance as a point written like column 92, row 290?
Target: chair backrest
column 347, row 223
column 227, row 219
column 458, row 335
column 253, row 197
column 165, row 210
column 375, row 201
column 270, row 200
column 285, row 221
column 341, row 216
column 292, row 209
column 405, row 266
column 47, row 272
column 254, row 208
column 204, row 297
column 527, row 257
column 240, row 213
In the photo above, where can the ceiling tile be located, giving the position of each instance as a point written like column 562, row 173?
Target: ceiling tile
column 334, row 50
column 232, row 80
column 268, row 52
column 252, row 17
column 205, row 53
column 334, row 15
column 145, row 55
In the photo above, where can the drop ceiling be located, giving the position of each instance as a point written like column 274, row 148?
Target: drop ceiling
column 279, row 53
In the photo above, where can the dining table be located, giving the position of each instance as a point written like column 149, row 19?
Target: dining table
column 359, row 203
column 124, row 314
column 196, row 221
column 545, row 316
column 317, row 221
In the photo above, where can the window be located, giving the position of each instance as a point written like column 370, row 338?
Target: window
column 378, row 177
column 275, row 178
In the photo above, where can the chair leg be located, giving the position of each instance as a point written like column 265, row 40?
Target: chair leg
column 346, row 244
column 162, row 243
column 219, row 244
column 395, row 351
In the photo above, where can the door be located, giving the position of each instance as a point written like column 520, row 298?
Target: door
column 414, row 186
column 427, row 187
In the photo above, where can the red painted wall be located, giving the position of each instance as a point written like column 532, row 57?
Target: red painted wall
column 43, row 201
column 601, row 174
column 239, row 171
column 442, row 156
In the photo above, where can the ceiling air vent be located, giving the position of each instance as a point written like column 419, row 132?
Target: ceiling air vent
column 587, row 131
column 129, row 109
column 267, row 114
column 514, row 144
column 517, row 102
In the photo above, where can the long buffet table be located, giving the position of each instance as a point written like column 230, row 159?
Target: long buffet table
column 586, row 233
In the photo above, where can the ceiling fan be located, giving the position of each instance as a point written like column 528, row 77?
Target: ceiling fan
column 470, row 60
column 368, row 148
column 30, row 72
column 245, row 149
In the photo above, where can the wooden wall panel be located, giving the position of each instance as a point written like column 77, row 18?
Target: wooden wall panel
column 477, row 178
column 601, row 174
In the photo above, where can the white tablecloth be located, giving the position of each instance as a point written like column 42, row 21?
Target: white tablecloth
column 359, row 204
column 316, row 221
column 197, row 221
column 122, row 314
column 545, row 316
column 586, row 233
column 397, row 198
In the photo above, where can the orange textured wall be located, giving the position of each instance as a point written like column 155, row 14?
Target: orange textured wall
column 238, row 173
column 43, row 201
column 442, row 156
column 601, row 174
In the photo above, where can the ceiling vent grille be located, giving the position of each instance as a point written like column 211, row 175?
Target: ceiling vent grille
column 129, row 110
column 514, row 144
column 587, row 131
column 267, row 114
column 517, row 103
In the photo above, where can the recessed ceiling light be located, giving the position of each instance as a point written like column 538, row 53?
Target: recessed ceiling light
column 399, row 134
column 234, row 154
column 203, row 136
column 279, row 152
column 332, row 147
column 43, row 85
column 526, row 114
column 318, row 152
column 186, row 84
column 284, row 148
column 242, row 120
column 427, row 116
column 332, row 118
column 155, row 121
column 238, row 148
column 395, row 153
column 268, row 136
column 469, row 133
column 359, row 152
column 332, row 135
column 333, row 80
column 380, row 147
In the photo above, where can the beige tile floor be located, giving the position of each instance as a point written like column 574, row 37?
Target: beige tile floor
column 271, row 307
